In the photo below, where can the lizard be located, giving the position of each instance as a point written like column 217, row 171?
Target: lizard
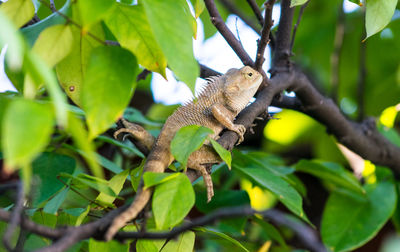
column 215, row 107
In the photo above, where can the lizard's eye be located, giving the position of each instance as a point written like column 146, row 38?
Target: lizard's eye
column 250, row 74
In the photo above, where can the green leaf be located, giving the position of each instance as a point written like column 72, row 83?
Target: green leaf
column 26, row 131
column 136, row 176
column 348, row 223
column 85, row 148
column 93, row 11
column 222, row 235
column 187, row 140
column 222, row 152
column 46, row 168
column 18, row 11
column 54, row 43
column 116, row 183
column 184, row 242
column 110, row 140
column 41, row 73
column 10, row 36
column 134, row 115
column 98, row 184
column 378, row 15
column 131, row 27
column 32, row 32
column 173, row 31
column 271, row 231
column 268, row 180
column 154, row 178
column 54, row 204
column 222, row 198
column 96, row 246
column 149, row 245
column 331, row 172
column 108, row 164
column 72, row 69
column 198, row 7
column 294, row 3
column 107, row 90
column 172, row 201
column 82, row 216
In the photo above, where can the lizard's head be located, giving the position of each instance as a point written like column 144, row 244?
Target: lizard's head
column 240, row 86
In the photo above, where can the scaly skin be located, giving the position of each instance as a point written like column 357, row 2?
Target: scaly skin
column 216, row 108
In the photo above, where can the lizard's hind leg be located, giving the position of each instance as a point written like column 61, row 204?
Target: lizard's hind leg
column 199, row 161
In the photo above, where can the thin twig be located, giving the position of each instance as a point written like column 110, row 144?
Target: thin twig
column 264, row 40
column 232, row 9
column 297, row 24
column 216, row 19
column 53, row 6
column 362, row 74
column 307, row 235
column 73, row 22
column 257, row 11
column 15, row 217
column 337, row 49
column 143, row 75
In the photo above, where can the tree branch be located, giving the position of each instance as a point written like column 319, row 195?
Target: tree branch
column 227, row 34
column 256, row 10
column 232, row 9
column 65, row 237
column 281, row 59
column 264, row 40
column 15, row 217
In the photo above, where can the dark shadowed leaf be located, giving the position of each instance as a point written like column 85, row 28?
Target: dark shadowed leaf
column 348, row 223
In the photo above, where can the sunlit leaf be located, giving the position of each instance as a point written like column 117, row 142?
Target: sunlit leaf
column 93, row 11
column 154, row 178
column 297, row 2
column 187, row 140
column 222, row 152
column 116, row 183
column 107, row 90
column 26, row 131
column 15, row 46
column 184, row 242
column 172, row 201
column 131, row 27
column 173, row 32
column 54, row 44
column 19, row 11
column 72, row 69
column 378, row 15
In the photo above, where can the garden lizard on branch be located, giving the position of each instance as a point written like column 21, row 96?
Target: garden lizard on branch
column 216, row 108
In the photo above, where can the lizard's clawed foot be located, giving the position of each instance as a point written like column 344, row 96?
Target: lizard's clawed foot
column 240, row 130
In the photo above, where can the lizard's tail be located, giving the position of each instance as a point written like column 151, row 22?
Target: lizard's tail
column 158, row 161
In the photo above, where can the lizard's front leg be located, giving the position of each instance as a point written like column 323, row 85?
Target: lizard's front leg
column 221, row 113
column 138, row 133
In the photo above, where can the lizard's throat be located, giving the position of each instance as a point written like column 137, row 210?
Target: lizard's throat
column 237, row 102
